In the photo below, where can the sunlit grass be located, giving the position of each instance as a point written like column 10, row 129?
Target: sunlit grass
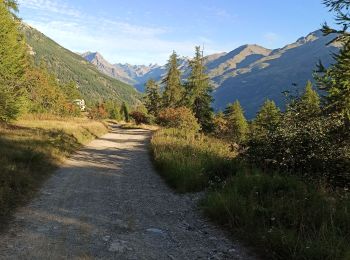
column 190, row 162
column 30, row 149
column 282, row 216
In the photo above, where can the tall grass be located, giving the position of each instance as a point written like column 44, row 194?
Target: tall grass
column 190, row 162
column 31, row 149
column 281, row 215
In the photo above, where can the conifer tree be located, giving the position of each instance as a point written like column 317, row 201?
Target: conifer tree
column 198, row 92
column 236, row 122
column 310, row 102
column 11, row 5
column 336, row 79
column 124, row 111
column 13, row 63
column 173, row 90
column 268, row 118
column 152, row 99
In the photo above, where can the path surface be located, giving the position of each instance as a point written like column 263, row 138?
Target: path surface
column 108, row 202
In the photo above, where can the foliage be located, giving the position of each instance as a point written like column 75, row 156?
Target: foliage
column 173, row 89
column 124, row 111
column 282, row 216
column 113, row 110
column 335, row 79
column 46, row 95
column 190, row 162
column 220, row 125
column 302, row 141
column 98, row 112
column 237, row 125
column 181, row 118
column 139, row 117
column 152, row 98
column 13, row 63
column 11, row 5
column 198, row 92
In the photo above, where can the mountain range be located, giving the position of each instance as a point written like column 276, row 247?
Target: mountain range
column 249, row 73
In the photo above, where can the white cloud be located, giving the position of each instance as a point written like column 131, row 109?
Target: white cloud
column 271, row 38
column 118, row 41
column 52, row 6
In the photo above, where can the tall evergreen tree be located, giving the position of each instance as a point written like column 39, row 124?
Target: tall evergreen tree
column 198, row 92
column 152, row 98
column 310, row 102
column 268, row 118
column 173, row 90
column 124, row 111
column 13, row 63
column 11, row 5
column 237, row 124
column 336, row 79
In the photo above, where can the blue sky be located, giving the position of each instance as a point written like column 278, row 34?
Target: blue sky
column 146, row 31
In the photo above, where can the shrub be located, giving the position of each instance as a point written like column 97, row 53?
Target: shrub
column 98, row 112
column 283, row 216
column 181, row 118
column 139, row 117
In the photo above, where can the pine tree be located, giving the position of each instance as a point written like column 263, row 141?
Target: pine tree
column 267, row 119
column 124, row 111
column 220, row 125
column 11, row 5
column 309, row 104
column 336, row 79
column 173, row 90
column 198, row 92
column 236, row 122
column 13, row 63
column 152, row 99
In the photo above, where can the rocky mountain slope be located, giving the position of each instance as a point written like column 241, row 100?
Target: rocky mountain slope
column 285, row 69
column 250, row 73
column 69, row 66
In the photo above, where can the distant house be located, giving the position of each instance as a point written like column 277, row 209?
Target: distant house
column 80, row 103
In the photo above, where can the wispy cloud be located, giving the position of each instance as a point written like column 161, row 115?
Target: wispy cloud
column 271, row 37
column 118, row 40
column 51, row 6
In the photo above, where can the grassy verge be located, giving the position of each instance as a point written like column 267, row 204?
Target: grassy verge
column 31, row 149
column 282, row 216
column 190, row 163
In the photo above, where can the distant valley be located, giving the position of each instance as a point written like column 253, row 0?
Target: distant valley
column 249, row 73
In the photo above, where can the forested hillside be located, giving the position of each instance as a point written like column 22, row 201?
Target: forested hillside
column 69, row 66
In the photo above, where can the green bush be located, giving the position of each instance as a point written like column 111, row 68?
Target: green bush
column 284, row 217
column 181, row 118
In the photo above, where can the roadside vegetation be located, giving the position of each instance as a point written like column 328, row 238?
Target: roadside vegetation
column 31, row 149
column 40, row 123
column 280, row 181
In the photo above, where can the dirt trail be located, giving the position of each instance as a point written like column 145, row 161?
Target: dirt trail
column 108, row 202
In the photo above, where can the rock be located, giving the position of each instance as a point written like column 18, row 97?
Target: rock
column 155, row 231
column 106, row 238
column 119, row 246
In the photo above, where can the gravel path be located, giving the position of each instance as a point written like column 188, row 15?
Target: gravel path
column 107, row 202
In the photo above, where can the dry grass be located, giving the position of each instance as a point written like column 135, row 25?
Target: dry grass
column 191, row 162
column 31, row 149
